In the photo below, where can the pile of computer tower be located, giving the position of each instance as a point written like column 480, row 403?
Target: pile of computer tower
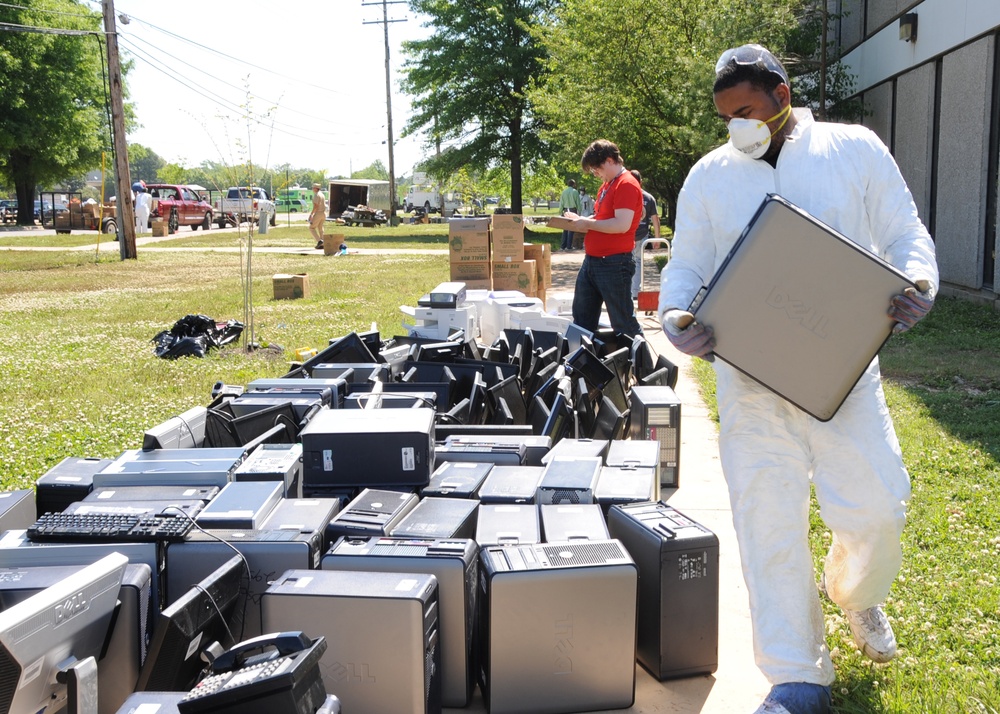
column 434, row 515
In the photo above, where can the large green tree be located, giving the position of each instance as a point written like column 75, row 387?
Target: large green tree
column 53, row 121
column 469, row 81
column 640, row 72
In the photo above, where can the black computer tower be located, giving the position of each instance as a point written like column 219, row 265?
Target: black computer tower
column 557, row 627
column 368, row 448
column 457, row 479
column 118, row 670
column 382, row 630
column 17, row 509
column 508, row 524
column 582, row 521
column 455, row 563
column 372, row 512
column 656, row 415
column 67, row 482
column 535, row 447
column 190, row 508
column 511, row 484
column 439, row 518
column 569, row 480
column 678, row 563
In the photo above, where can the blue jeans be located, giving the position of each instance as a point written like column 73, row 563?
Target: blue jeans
column 606, row 281
column 567, row 240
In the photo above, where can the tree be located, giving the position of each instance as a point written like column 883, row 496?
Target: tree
column 470, row 79
column 144, row 163
column 374, row 171
column 54, row 123
column 639, row 72
column 542, row 183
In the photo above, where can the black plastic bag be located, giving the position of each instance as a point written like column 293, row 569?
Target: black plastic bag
column 194, row 335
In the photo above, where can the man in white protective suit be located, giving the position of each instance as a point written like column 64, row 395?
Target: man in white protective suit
column 845, row 176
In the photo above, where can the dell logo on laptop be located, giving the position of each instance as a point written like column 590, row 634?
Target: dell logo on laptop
column 798, row 311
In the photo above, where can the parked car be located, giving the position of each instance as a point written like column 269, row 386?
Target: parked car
column 244, row 203
column 180, row 205
column 8, row 210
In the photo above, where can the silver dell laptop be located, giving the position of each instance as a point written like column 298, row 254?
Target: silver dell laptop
column 799, row 307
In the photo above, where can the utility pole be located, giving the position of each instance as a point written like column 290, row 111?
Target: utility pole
column 388, row 97
column 125, row 209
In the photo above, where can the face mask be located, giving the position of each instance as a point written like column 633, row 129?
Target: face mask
column 752, row 136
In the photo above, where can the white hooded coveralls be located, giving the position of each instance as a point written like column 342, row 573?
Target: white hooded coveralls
column 845, row 176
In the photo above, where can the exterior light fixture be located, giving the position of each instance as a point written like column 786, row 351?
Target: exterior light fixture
column 908, row 27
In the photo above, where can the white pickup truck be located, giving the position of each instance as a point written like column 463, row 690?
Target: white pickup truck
column 243, row 203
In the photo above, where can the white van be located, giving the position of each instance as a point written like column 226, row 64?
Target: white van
column 430, row 200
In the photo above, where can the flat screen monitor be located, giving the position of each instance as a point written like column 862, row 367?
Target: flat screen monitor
column 349, row 348
column 501, row 413
column 546, row 339
column 56, row 634
column 589, row 366
column 577, row 337
column 620, row 361
column 539, row 378
column 201, row 617
column 510, row 391
column 440, row 351
column 584, row 400
column 539, row 413
column 610, row 421
column 477, row 401
column 560, row 422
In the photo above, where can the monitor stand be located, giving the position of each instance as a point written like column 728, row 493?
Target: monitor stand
column 80, row 679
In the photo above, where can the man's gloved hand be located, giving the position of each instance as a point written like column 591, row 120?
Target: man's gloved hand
column 688, row 336
column 908, row 308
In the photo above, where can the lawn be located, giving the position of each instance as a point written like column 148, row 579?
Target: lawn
column 942, row 382
column 81, row 379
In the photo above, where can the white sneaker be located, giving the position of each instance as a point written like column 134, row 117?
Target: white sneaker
column 870, row 629
column 872, row 633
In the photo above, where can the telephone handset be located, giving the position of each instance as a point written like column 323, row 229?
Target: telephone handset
column 277, row 672
column 283, row 643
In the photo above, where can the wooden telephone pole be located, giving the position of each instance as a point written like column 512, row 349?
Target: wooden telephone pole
column 125, row 207
column 388, row 98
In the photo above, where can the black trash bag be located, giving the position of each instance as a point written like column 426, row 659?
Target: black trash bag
column 194, row 335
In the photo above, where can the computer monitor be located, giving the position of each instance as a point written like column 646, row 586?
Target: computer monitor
column 577, row 337
column 440, row 351
column 184, row 431
column 192, row 624
column 589, row 366
column 224, row 429
column 510, row 391
column 546, row 339
column 50, row 643
column 610, row 422
column 584, row 400
column 620, row 361
column 539, row 415
column 349, row 348
column 560, row 422
column 501, row 413
column 536, row 380
column 643, row 361
column 477, row 401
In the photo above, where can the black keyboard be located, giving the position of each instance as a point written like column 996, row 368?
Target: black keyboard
column 96, row 527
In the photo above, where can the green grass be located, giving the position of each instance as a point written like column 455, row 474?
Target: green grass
column 942, row 383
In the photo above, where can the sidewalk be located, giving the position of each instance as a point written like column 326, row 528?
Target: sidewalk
column 737, row 687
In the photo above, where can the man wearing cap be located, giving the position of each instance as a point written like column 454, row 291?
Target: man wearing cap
column 770, row 450
column 317, row 216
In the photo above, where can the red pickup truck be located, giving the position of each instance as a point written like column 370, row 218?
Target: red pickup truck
column 181, row 205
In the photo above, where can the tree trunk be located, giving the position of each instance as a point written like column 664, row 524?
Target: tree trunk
column 24, row 187
column 515, row 166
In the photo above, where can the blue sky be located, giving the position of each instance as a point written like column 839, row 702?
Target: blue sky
column 223, row 80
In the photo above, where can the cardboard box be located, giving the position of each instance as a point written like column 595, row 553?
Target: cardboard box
column 561, row 223
column 508, row 238
column 469, row 272
column 160, row 227
column 331, row 243
column 516, row 275
column 469, row 240
column 290, row 287
column 486, row 284
column 541, row 253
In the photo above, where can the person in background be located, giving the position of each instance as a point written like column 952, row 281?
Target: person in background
column 606, row 274
column 772, row 452
column 143, row 205
column 569, row 201
column 317, row 216
column 649, row 215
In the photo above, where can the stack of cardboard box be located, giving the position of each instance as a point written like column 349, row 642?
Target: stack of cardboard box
column 469, row 252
